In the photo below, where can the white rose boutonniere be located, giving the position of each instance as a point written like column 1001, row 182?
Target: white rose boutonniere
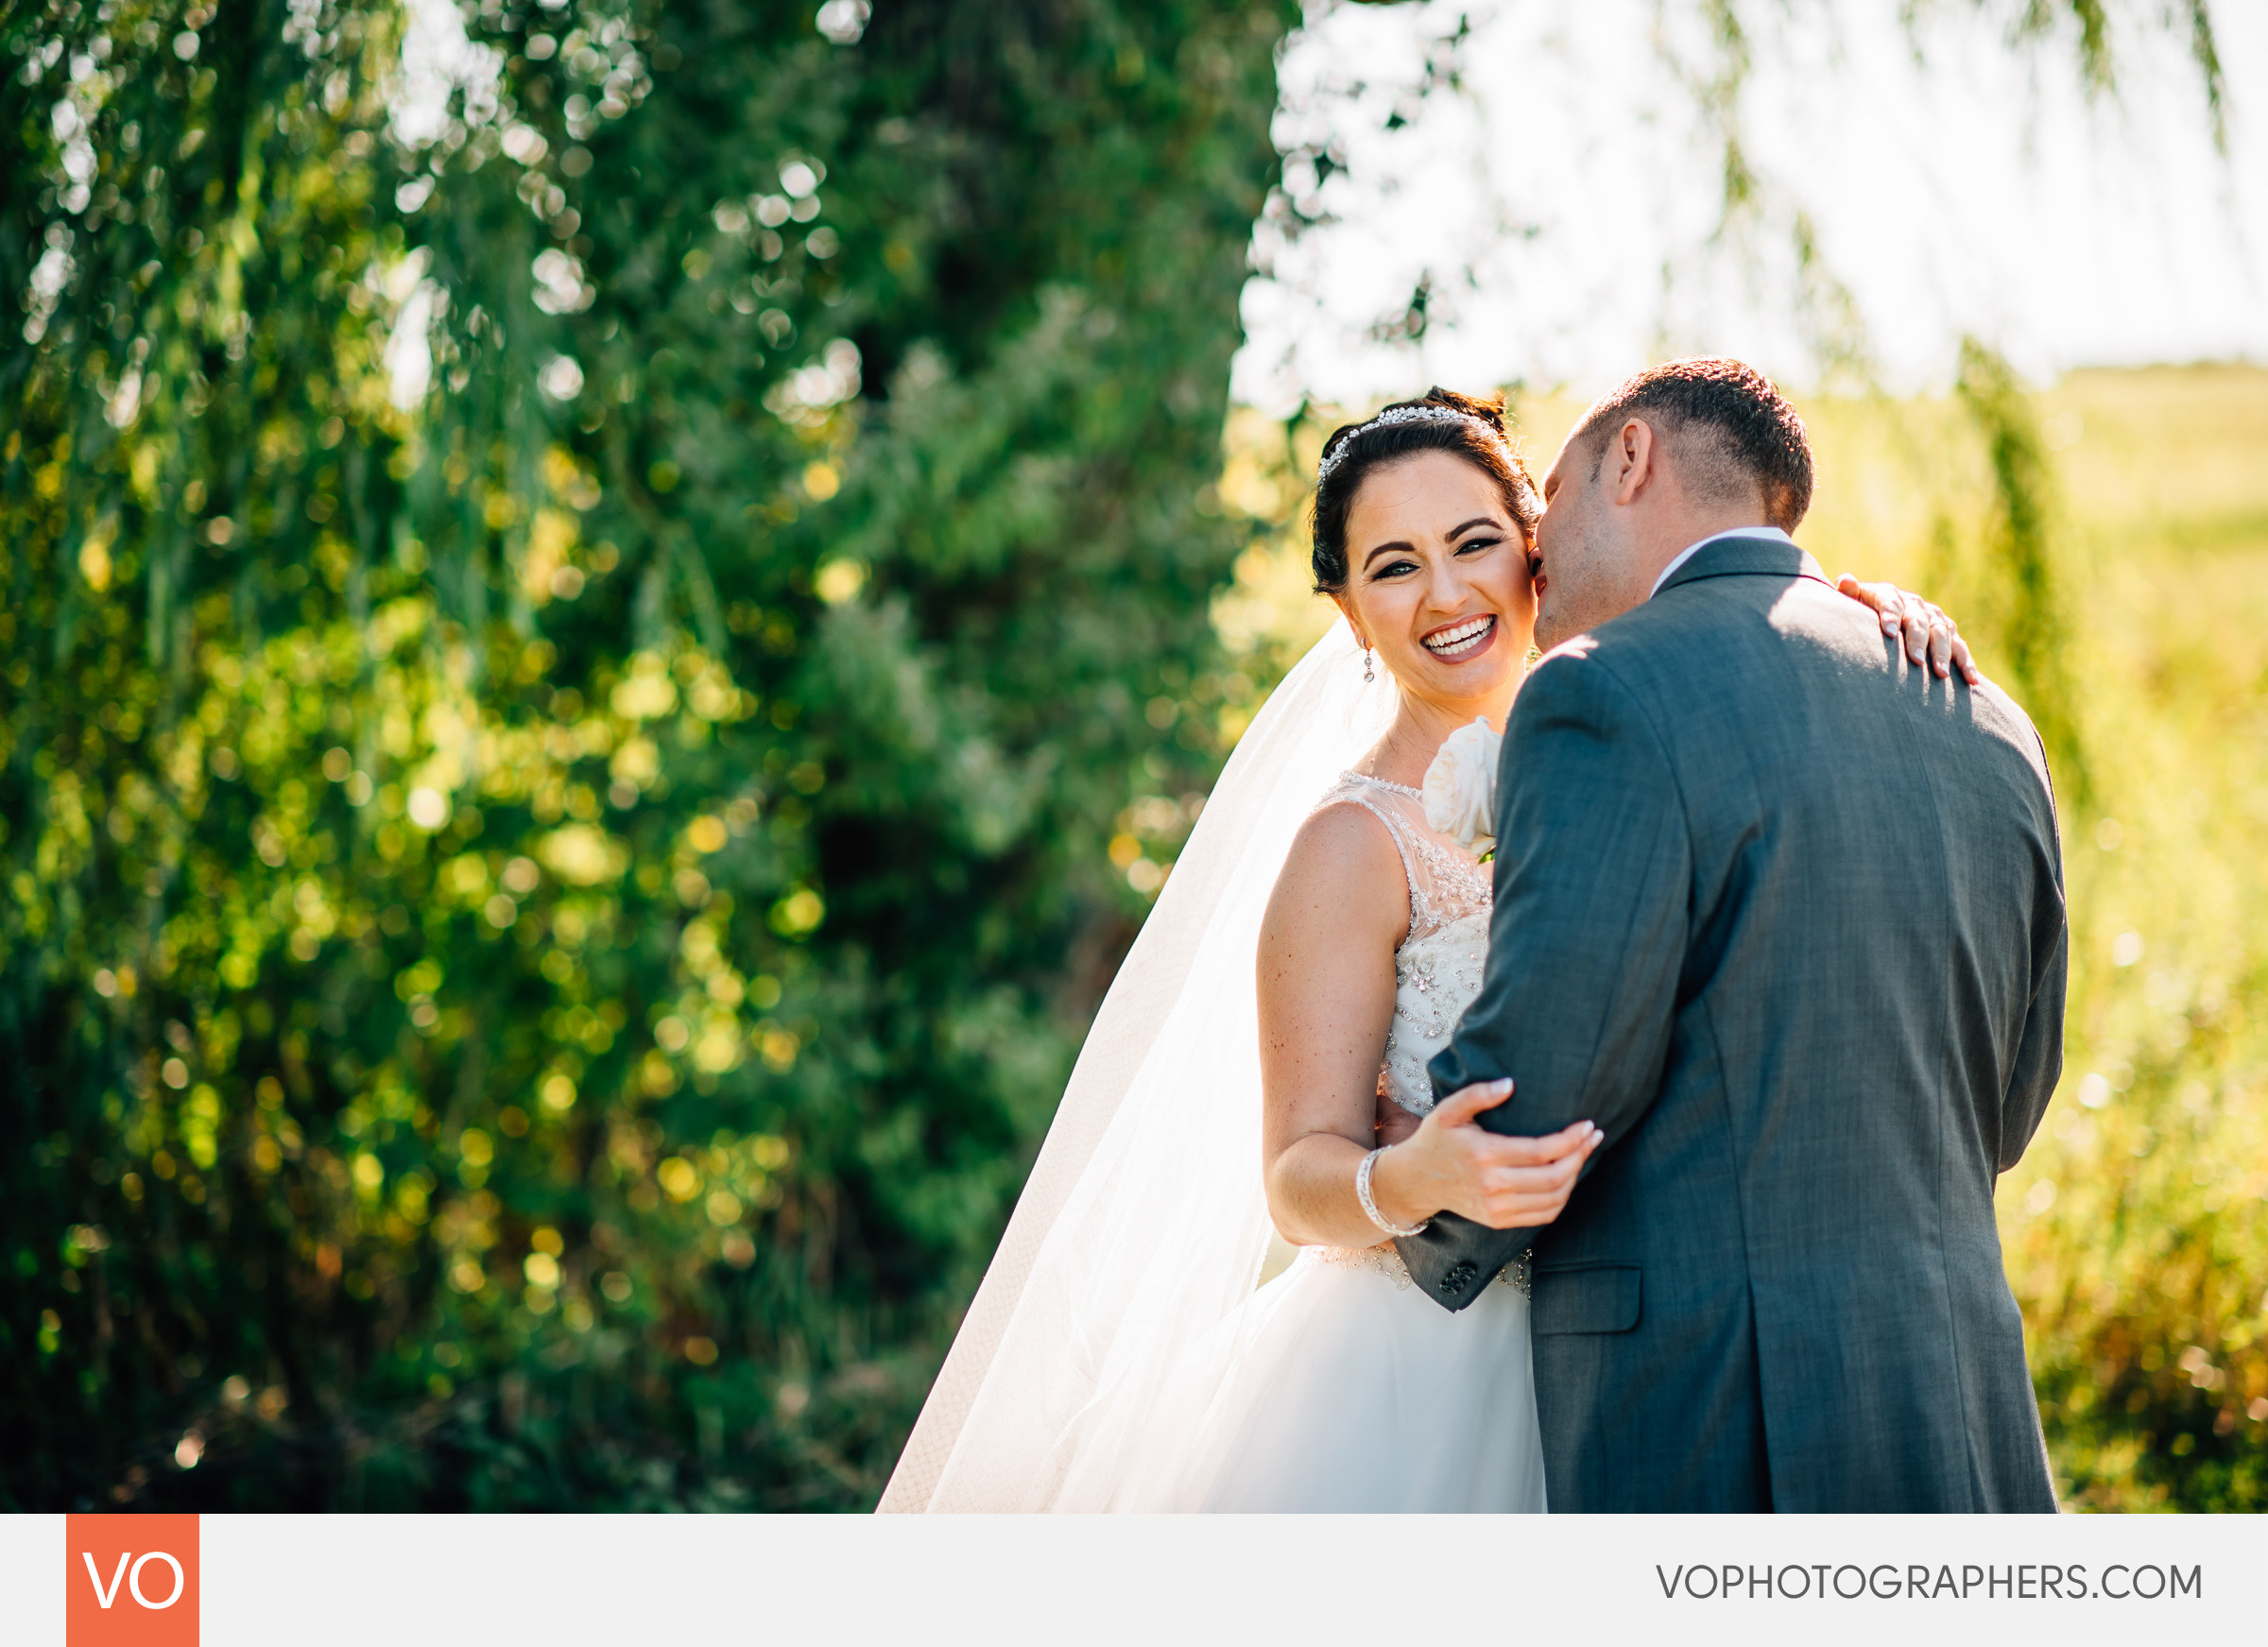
column 1460, row 786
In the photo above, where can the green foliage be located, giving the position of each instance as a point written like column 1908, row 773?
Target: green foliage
column 2089, row 20
column 2136, row 1228
column 569, row 671
column 2020, row 602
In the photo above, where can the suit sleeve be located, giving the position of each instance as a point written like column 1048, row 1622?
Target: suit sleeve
column 2039, row 1053
column 1585, row 945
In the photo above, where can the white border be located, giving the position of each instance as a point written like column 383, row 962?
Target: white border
column 350, row 1580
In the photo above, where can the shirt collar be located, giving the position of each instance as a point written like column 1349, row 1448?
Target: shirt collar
column 1692, row 549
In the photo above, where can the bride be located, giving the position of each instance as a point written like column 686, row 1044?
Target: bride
column 1318, row 940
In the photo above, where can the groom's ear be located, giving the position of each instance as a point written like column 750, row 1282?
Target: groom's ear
column 1632, row 460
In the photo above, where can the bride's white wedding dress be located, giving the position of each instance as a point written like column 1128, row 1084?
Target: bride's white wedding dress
column 1339, row 1386
column 1118, row 1355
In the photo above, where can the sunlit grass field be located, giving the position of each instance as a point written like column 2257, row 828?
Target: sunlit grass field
column 2137, row 1226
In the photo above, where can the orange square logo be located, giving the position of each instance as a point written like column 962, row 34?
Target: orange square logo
column 131, row 1581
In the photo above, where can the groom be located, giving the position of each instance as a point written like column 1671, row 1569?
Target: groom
column 1787, row 922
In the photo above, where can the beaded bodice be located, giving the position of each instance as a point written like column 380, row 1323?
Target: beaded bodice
column 1437, row 969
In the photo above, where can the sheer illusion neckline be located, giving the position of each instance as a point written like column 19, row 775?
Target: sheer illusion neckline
column 1384, row 783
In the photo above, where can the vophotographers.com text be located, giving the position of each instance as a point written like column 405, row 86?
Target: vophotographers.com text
column 1886, row 1581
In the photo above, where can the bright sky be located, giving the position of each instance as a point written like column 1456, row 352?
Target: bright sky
column 1977, row 190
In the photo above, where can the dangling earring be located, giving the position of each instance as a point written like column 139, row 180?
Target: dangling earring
column 1369, row 674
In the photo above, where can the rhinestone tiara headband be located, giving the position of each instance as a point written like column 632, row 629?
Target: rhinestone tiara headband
column 1399, row 415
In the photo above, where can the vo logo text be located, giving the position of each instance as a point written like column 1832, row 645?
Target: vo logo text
column 131, row 1581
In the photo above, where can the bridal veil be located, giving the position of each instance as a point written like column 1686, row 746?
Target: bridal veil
column 1143, row 1224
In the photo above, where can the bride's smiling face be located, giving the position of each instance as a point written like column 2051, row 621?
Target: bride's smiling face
column 1438, row 579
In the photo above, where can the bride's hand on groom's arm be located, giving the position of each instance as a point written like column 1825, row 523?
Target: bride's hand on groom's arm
column 1453, row 1164
column 1929, row 636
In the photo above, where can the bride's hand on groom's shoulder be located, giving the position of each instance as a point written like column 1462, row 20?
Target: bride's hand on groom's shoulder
column 1931, row 636
column 1453, row 1164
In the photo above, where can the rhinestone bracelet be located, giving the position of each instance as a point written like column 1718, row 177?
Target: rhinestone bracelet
column 1361, row 1193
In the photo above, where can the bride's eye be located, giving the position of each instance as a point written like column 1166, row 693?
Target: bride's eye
column 1392, row 569
column 1473, row 544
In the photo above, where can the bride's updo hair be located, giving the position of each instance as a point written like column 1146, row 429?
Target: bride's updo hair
column 1444, row 420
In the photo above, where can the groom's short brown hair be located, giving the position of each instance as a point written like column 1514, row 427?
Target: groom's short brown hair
column 1728, row 426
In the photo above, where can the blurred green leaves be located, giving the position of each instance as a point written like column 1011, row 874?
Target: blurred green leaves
column 580, row 584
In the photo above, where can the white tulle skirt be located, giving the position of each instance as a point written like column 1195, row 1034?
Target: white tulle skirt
column 1339, row 1386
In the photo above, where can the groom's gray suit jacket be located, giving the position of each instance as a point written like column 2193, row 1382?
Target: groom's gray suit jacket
column 1786, row 919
